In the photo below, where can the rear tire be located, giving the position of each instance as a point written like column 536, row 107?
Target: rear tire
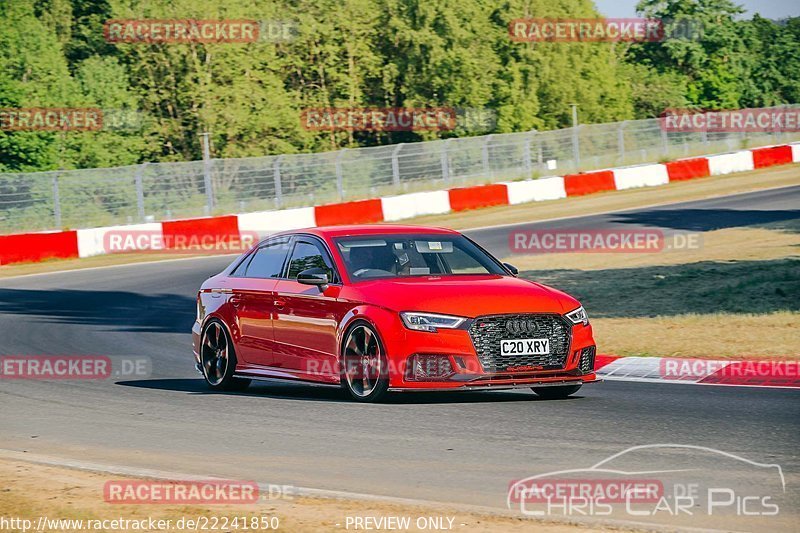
column 218, row 359
column 364, row 365
column 555, row 393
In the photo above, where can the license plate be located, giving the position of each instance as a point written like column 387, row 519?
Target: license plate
column 525, row 347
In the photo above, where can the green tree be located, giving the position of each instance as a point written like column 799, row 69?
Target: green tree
column 714, row 59
column 775, row 51
column 33, row 73
column 233, row 90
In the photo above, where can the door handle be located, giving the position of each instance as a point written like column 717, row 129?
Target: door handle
column 235, row 300
column 279, row 303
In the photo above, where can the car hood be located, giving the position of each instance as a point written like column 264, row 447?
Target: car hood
column 467, row 296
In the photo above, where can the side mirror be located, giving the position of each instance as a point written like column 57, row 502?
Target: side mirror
column 511, row 268
column 314, row 276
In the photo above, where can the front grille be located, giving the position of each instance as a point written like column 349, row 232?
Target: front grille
column 487, row 332
column 586, row 364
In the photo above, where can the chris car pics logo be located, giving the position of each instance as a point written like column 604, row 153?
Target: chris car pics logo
column 643, row 482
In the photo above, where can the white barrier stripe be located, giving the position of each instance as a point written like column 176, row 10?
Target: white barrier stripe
column 415, row 204
column 268, row 222
column 795, row 152
column 520, row 192
column 92, row 241
column 741, row 161
column 640, row 176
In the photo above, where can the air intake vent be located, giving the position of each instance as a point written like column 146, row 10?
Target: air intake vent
column 587, row 360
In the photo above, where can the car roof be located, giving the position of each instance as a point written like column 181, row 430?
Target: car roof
column 371, row 229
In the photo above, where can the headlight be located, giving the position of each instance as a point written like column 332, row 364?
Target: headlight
column 429, row 321
column 578, row 316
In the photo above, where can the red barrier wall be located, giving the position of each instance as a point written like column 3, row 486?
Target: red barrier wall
column 588, row 183
column 360, row 212
column 687, row 169
column 465, row 198
column 224, row 228
column 33, row 247
column 773, row 155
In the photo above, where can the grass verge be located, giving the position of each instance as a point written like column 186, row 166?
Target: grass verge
column 704, row 336
column 735, row 297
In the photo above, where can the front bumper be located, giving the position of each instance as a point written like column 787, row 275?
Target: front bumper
column 467, row 371
column 196, row 331
column 499, row 385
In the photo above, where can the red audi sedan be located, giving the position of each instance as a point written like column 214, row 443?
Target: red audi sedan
column 380, row 308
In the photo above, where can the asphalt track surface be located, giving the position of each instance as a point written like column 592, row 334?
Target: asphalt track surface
column 461, row 448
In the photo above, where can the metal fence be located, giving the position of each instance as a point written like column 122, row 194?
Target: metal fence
column 159, row 191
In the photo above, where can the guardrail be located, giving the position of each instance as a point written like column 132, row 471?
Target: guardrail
column 152, row 192
column 235, row 233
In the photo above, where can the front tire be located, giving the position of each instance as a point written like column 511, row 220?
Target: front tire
column 555, row 393
column 364, row 365
column 218, row 359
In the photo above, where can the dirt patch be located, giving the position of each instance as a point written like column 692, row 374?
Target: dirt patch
column 31, row 491
column 712, row 336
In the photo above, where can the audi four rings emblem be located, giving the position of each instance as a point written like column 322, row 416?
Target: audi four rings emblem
column 515, row 327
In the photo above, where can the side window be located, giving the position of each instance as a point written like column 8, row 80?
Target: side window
column 309, row 255
column 267, row 262
column 241, row 268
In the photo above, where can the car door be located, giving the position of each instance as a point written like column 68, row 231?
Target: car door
column 253, row 301
column 306, row 317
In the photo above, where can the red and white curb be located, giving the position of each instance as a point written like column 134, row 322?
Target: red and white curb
column 33, row 247
column 743, row 373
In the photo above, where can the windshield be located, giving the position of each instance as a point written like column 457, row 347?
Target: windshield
column 414, row 255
